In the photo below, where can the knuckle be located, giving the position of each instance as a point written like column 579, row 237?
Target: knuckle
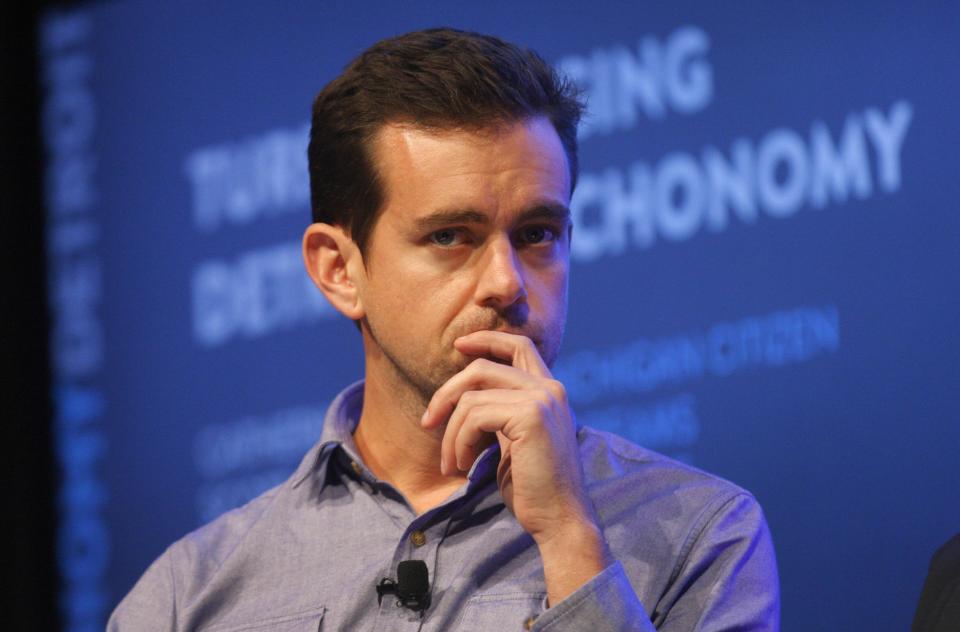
column 468, row 415
column 557, row 390
column 544, row 397
column 477, row 371
column 480, row 364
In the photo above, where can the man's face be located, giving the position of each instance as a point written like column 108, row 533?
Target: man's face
column 475, row 234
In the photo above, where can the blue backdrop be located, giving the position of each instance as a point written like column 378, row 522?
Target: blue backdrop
column 764, row 280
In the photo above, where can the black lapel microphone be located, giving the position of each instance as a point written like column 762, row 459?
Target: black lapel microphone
column 412, row 586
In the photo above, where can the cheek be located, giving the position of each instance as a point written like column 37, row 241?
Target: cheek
column 550, row 286
column 420, row 307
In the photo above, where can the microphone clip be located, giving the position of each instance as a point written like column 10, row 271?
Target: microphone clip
column 412, row 589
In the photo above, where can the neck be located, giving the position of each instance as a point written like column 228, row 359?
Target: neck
column 394, row 446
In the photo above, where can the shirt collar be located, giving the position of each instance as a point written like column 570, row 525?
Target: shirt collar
column 338, row 425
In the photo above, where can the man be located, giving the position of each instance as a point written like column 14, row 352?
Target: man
column 441, row 166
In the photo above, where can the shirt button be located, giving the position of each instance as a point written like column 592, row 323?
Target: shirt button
column 528, row 624
column 419, row 538
column 356, row 468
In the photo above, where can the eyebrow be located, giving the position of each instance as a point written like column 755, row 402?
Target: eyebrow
column 545, row 211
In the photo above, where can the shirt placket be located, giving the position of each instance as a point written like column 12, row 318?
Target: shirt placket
column 419, row 540
column 422, row 536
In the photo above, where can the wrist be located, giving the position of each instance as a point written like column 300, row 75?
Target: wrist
column 572, row 555
column 582, row 532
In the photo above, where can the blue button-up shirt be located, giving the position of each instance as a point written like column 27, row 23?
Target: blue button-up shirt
column 693, row 552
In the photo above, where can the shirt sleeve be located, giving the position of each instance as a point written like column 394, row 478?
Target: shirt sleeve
column 726, row 580
column 606, row 603
column 151, row 604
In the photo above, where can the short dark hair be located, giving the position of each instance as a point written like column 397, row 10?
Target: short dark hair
column 437, row 79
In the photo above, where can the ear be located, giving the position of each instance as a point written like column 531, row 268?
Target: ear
column 335, row 264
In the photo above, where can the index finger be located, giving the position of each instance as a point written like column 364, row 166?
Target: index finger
column 480, row 375
column 520, row 351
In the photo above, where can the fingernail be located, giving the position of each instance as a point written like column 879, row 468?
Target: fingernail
column 423, row 419
column 443, row 466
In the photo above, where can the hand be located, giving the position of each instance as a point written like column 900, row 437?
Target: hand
column 526, row 410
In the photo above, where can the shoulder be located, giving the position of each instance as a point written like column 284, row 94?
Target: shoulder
column 206, row 548
column 180, row 573
column 610, row 460
column 199, row 555
column 662, row 500
column 676, row 528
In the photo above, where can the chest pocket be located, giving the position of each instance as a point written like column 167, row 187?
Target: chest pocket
column 307, row 621
column 504, row 612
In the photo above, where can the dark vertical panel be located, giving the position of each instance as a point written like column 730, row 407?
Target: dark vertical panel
column 29, row 572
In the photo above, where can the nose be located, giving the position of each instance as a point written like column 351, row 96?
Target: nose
column 501, row 276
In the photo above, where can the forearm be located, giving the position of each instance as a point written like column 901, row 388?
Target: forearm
column 571, row 558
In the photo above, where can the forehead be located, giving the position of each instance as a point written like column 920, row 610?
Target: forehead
column 498, row 171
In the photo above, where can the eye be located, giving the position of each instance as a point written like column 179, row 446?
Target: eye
column 446, row 237
column 532, row 235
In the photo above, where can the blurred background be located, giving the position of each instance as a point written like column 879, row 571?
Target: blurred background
column 764, row 278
